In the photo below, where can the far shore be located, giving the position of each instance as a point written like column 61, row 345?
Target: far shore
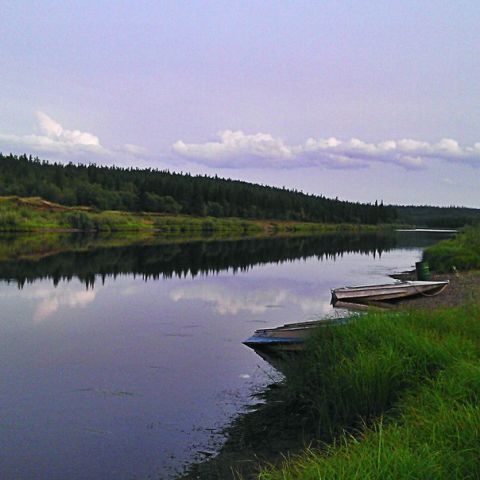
column 35, row 214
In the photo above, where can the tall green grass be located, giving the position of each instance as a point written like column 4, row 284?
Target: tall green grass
column 435, row 436
column 461, row 252
column 390, row 396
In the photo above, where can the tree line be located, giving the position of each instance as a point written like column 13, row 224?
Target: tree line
column 151, row 190
column 438, row 217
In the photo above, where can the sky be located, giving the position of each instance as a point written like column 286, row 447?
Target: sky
column 361, row 100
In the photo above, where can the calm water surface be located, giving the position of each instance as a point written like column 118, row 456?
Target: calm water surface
column 119, row 363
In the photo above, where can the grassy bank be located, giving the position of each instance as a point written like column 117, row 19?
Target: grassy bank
column 461, row 252
column 25, row 214
column 397, row 394
column 436, row 435
column 391, row 395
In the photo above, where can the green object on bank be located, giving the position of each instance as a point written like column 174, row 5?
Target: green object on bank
column 423, row 271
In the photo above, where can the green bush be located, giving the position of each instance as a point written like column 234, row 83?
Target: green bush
column 79, row 221
column 8, row 221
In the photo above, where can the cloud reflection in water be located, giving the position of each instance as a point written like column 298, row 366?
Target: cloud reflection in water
column 232, row 299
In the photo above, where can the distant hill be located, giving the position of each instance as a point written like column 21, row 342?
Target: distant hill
column 150, row 190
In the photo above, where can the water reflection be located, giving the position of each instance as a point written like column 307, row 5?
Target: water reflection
column 230, row 298
column 166, row 260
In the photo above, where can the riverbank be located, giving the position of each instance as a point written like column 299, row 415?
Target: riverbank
column 459, row 253
column 34, row 214
column 394, row 394
column 457, row 260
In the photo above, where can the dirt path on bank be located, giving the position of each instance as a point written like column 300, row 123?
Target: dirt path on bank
column 464, row 287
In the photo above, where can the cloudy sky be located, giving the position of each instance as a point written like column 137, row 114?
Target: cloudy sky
column 362, row 100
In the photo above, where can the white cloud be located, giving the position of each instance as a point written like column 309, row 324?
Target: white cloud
column 239, row 146
column 54, row 139
column 238, row 149
column 135, row 150
column 53, row 130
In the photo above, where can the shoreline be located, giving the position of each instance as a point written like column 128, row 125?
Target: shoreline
column 459, row 291
column 247, row 452
column 34, row 214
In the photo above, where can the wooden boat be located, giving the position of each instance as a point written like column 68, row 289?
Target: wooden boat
column 275, row 345
column 282, row 339
column 286, row 339
column 390, row 291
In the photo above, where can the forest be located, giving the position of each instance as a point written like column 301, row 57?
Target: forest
column 151, row 190
column 439, row 217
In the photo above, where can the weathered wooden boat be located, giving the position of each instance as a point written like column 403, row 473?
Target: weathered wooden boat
column 287, row 339
column 390, row 291
column 274, row 345
column 284, row 338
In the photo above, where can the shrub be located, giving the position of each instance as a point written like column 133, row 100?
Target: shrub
column 8, row 221
column 79, row 221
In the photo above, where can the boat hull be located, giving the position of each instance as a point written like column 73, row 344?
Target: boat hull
column 387, row 292
column 275, row 345
column 286, row 338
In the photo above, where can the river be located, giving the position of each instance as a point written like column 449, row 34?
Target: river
column 125, row 362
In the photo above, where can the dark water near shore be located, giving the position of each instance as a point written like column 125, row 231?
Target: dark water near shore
column 123, row 362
